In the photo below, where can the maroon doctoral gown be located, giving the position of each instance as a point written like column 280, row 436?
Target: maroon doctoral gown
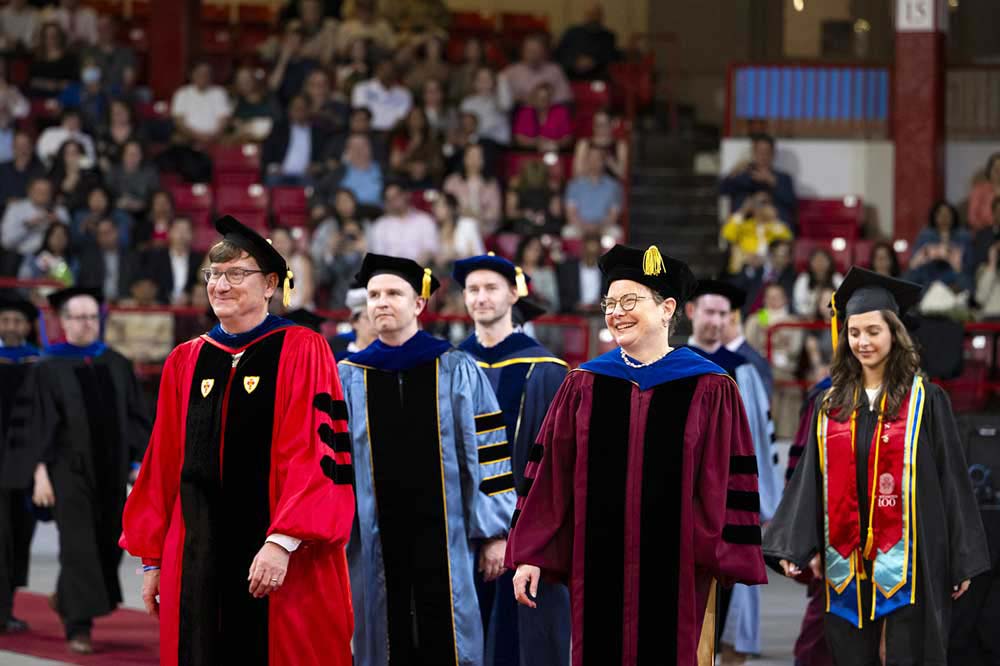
column 641, row 490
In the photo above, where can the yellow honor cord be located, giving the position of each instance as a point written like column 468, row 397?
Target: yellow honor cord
column 425, row 285
column 520, row 282
column 286, row 289
column 870, row 541
column 652, row 262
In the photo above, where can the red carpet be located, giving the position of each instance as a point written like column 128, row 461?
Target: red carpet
column 124, row 638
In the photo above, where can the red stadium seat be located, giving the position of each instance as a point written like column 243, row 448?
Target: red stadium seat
column 241, row 199
column 290, row 206
column 473, row 23
column 194, row 201
column 205, row 236
column 257, row 14
column 236, row 159
column 217, row 40
column 256, row 220
column 838, row 248
column 522, row 24
column 831, row 218
column 424, row 200
column 215, row 14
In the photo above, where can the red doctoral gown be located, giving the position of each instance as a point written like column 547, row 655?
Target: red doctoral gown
column 641, row 490
column 246, row 446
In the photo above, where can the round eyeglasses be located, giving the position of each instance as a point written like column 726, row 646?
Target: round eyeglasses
column 627, row 301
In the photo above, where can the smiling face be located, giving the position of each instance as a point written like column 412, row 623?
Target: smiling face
column 708, row 315
column 393, row 305
column 488, row 297
column 14, row 328
column 870, row 338
column 244, row 301
column 641, row 324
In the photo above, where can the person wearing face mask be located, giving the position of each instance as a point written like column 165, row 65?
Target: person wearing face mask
column 880, row 505
column 641, row 491
column 83, row 435
column 89, row 96
column 243, row 505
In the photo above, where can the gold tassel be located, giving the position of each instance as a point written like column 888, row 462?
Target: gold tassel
column 834, row 333
column 491, row 254
column 652, row 262
column 286, row 289
column 520, row 282
column 425, row 286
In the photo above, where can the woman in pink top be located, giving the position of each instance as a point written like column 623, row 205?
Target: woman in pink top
column 543, row 126
column 982, row 195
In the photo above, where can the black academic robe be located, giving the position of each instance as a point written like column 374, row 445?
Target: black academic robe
column 951, row 544
column 17, row 523
column 87, row 422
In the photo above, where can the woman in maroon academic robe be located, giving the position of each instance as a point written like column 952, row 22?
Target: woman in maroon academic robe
column 244, row 504
column 641, row 491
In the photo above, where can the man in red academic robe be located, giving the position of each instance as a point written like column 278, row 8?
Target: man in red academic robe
column 244, row 504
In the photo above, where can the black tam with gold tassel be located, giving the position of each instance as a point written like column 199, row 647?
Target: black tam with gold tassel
column 667, row 276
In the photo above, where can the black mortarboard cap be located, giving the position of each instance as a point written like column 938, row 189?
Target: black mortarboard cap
column 669, row 277
column 417, row 276
column 736, row 296
column 57, row 299
column 258, row 247
column 490, row 262
column 305, row 317
column 865, row 291
column 25, row 307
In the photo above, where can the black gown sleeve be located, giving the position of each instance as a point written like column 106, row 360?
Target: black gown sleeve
column 139, row 425
column 967, row 548
column 796, row 531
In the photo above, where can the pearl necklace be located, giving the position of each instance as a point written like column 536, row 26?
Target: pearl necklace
column 630, row 364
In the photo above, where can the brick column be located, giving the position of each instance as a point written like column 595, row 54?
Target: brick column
column 918, row 111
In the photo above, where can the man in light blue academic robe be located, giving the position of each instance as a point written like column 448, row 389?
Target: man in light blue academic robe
column 525, row 376
column 433, row 481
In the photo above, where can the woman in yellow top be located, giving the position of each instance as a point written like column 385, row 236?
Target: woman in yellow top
column 751, row 230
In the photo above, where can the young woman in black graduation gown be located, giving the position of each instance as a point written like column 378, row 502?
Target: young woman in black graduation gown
column 894, row 529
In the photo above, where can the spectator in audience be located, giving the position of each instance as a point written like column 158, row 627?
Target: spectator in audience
column 88, row 96
column 988, row 281
column 884, row 260
column 459, row 234
column 462, row 81
column 441, row 117
column 118, row 129
column 71, row 179
column 254, row 108
column 580, row 281
column 466, row 134
column 534, row 200
column 942, row 251
column 593, row 199
column 404, row 231
column 18, row 172
column 292, row 66
column 603, row 136
column 116, row 60
column 384, row 96
column 490, row 100
column 984, row 194
column 340, row 261
column 319, row 32
column 416, row 153
column 427, row 55
column 531, row 257
column 357, row 68
column 785, row 350
column 366, row 25
column 819, row 274
column 359, row 122
column 78, row 22
column 133, row 181
column 748, row 178
column 750, row 231
column 174, row 269
column 345, row 208
column 287, row 243
column 777, row 269
column 153, row 229
column 53, row 67
column 818, row 344
column 293, row 152
column 981, row 242
column 105, row 265
column 201, row 110
column 586, row 50
column 18, row 26
column 533, row 69
column 98, row 207
column 478, row 195
column 543, row 126
column 13, row 106
column 54, row 260
column 325, row 113
column 359, row 173
column 51, row 141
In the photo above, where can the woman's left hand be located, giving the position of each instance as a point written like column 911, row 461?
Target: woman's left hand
column 960, row 589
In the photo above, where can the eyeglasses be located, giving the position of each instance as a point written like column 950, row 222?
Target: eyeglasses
column 628, row 303
column 92, row 317
column 233, row 275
